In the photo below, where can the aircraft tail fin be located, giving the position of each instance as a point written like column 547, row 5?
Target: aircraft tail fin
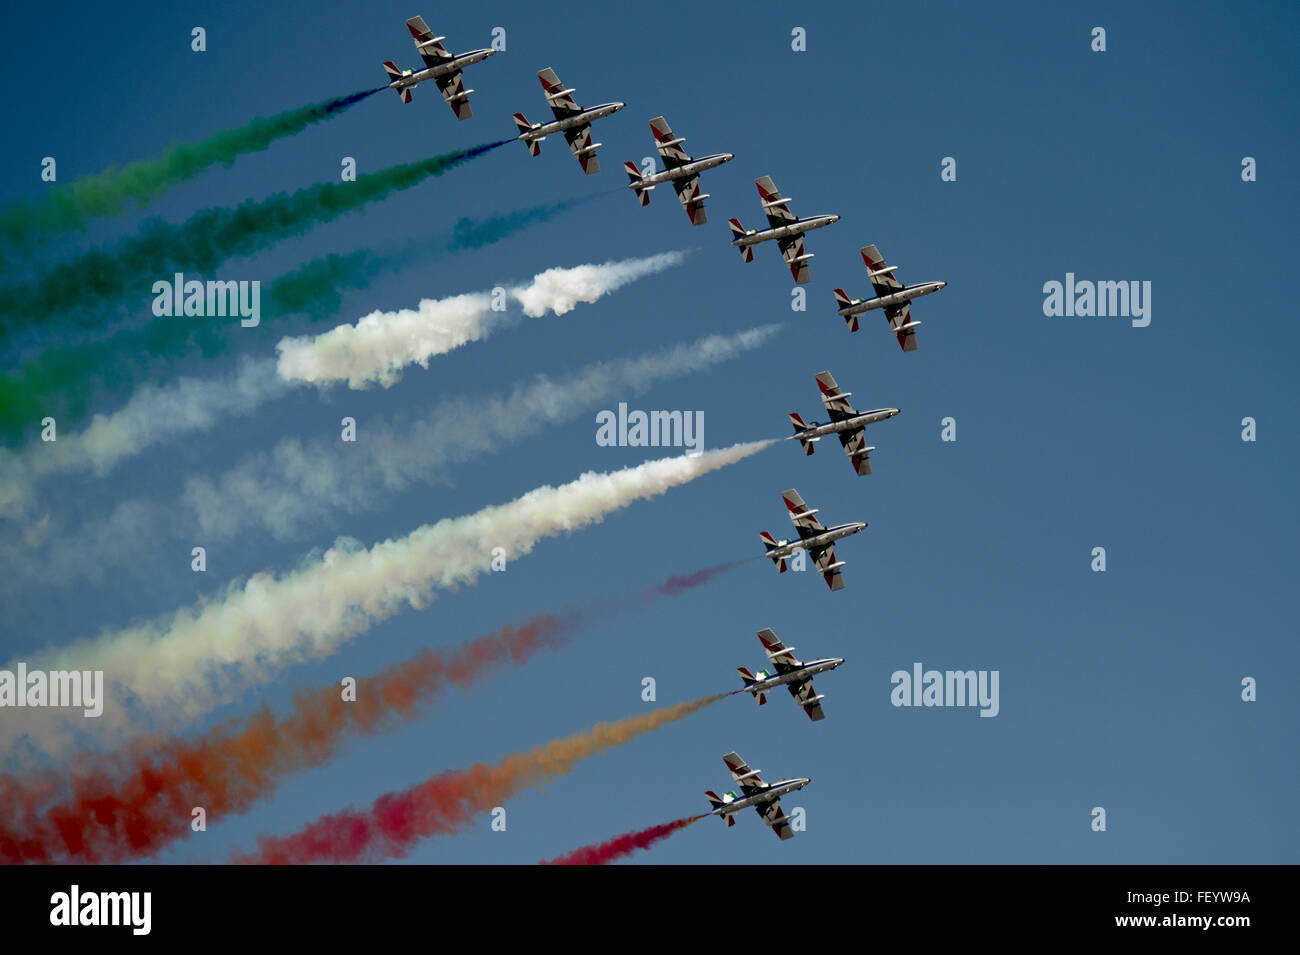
column 717, row 802
column 770, row 543
column 534, row 146
column 750, row 680
column 642, row 191
column 395, row 74
column 738, row 232
column 809, row 445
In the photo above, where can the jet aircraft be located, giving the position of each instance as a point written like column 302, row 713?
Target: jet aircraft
column 783, row 226
column 764, row 797
column 679, row 169
column 570, row 119
column 846, row 423
column 891, row 295
column 814, row 537
column 790, row 673
column 440, row 65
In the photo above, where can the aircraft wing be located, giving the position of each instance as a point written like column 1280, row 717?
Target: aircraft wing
column 835, row 398
column 807, row 697
column 580, row 142
column 824, row 558
column 881, row 275
column 900, row 315
column 855, row 446
column 775, row 207
column 560, row 99
column 669, row 146
column 774, row 816
column 453, row 91
column 688, row 191
column 745, row 777
column 793, row 252
column 804, row 520
column 427, row 45
column 781, row 656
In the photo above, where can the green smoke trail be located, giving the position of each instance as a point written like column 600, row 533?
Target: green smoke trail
column 70, row 381
column 107, row 193
column 203, row 242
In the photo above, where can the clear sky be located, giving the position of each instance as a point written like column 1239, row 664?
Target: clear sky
column 1119, row 689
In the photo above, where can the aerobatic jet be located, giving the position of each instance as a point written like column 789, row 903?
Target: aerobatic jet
column 784, row 226
column 790, row 673
column 570, row 119
column 764, row 797
column 440, row 65
column 845, row 422
column 891, row 295
column 814, row 537
column 679, row 169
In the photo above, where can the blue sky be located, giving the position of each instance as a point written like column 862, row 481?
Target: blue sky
column 1119, row 690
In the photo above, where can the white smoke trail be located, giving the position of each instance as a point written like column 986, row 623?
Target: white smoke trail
column 164, row 673
column 291, row 487
column 380, row 345
column 151, row 417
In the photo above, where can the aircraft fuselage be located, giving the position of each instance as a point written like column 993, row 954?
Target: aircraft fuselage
column 894, row 298
column 692, row 168
column 542, row 130
column 774, row 791
column 848, row 424
column 798, row 227
column 808, row 670
column 409, row 79
column 829, row 536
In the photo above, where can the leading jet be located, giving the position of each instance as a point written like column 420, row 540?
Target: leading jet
column 764, row 797
column 846, row 423
column 784, row 226
column 570, row 119
column 440, row 65
column 891, row 295
column 790, row 673
column 679, row 169
column 814, row 537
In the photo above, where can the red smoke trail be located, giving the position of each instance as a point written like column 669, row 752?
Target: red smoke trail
column 620, row 846
column 450, row 801
column 132, row 804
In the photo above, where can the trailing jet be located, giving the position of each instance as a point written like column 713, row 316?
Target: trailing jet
column 891, row 295
column 845, row 422
column 570, row 119
column 785, row 227
column 764, row 797
column 440, row 65
column 679, row 169
column 814, row 537
column 791, row 673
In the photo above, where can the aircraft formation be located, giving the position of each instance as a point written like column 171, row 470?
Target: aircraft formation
column 787, row 230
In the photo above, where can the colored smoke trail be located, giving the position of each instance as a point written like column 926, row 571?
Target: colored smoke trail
column 69, row 382
column 124, row 806
column 173, row 669
column 127, row 807
column 106, row 193
column 202, row 242
column 624, row 845
column 448, row 802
